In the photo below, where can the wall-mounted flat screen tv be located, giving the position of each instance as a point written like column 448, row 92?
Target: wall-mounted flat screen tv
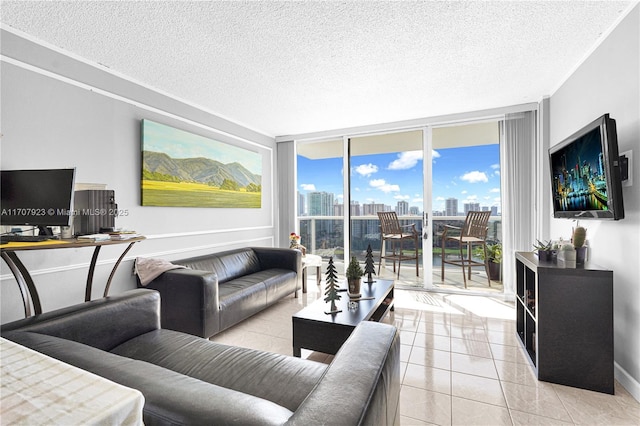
column 37, row 197
column 585, row 173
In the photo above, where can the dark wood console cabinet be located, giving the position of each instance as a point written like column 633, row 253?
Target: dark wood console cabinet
column 565, row 321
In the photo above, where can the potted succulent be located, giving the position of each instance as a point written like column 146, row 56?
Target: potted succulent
column 494, row 259
column 578, row 239
column 354, row 277
column 544, row 249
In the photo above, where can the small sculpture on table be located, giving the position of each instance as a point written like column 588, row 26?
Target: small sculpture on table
column 331, row 292
column 294, row 243
column 369, row 265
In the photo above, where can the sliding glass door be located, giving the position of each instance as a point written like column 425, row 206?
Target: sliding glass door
column 465, row 177
column 386, row 175
column 430, row 177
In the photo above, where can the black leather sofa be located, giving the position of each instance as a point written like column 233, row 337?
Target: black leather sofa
column 221, row 289
column 187, row 380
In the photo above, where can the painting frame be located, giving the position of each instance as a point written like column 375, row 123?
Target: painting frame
column 184, row 169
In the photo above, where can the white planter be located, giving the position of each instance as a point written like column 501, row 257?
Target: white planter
column 567, row 255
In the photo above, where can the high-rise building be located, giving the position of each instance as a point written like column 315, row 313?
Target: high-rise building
column 338, row 209
column 471, row 207
column 402, row 208
column 372, row 209
column 451, row 207
column 355, row 209
column 320, row 203
column 414, row 210
column 494, row 210
column 301, row 204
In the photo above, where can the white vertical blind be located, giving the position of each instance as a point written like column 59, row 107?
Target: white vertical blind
column 519, row 178
column 287, row 195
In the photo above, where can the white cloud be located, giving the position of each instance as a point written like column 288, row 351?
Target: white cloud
column 497, row 173
column 401, row 197
column 435, row 154
column 383, row 186
column 495, row 190
column 417, row 200
column 439, row 198
column 308, row 187
column 474, row 177
column 495, row 166
column 405, row 160
column 366, row 169
column 463, row 192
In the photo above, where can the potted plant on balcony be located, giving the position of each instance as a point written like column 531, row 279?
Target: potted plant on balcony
column 354, row 277
column 493, row 259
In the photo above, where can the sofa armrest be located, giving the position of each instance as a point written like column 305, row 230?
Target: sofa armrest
column 189, row 301
column 281, row 258
column 102, row 323
column 362, row 384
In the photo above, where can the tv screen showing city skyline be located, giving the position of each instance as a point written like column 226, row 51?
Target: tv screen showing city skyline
column 579, row 177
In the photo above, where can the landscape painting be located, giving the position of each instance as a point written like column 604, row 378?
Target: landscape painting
column 182, row 169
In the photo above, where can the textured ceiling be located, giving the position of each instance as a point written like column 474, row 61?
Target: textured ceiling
column 295, row 67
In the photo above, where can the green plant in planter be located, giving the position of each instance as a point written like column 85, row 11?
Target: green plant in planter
column 494, row 253
column 354, row 270
column 542, row 245
column 544, row 249
column 579, row 236
column 354, row 275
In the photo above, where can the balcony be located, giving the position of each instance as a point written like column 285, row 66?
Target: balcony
column 324, row 236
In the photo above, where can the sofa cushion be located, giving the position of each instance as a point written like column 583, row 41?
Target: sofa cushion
column 283, row 380
column 279, row 283
column 170, row 397
column 227, row 265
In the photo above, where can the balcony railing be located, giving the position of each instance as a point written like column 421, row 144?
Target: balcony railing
column 324, row 235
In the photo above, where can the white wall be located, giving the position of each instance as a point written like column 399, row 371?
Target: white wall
column 58, row 111
column 608, row 81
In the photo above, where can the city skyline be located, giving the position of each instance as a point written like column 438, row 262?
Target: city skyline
column 469, row 174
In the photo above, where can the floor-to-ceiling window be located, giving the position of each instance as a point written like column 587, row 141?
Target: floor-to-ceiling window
column 385, row 175
column 320, row 202
column 337, row 211
column 466, row 177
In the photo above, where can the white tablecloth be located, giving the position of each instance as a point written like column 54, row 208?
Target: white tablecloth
column 40, row 390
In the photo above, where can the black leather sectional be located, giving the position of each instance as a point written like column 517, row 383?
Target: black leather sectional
column 187, row 380
column 221, row 289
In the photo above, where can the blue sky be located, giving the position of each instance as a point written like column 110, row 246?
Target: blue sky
column 178, row 143
column 470, row 174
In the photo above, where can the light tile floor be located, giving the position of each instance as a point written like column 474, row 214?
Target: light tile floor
column 461, row 364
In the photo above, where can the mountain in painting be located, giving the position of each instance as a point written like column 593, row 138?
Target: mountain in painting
column 199, row 169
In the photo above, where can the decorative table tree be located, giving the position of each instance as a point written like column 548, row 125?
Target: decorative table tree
column 332, row 288
column 369, row 265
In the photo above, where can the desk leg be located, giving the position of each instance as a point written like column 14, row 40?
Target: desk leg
column 25, row 283
column 92, row 268
column 113, row 271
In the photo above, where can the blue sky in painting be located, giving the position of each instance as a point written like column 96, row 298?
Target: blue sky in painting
column 470, row 174
column 181, row 144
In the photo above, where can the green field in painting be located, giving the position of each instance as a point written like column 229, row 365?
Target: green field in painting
column 185, row 194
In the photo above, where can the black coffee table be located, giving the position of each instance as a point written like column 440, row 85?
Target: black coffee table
column 317, row 331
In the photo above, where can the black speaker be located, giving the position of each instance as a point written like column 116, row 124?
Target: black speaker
column 94, row 209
